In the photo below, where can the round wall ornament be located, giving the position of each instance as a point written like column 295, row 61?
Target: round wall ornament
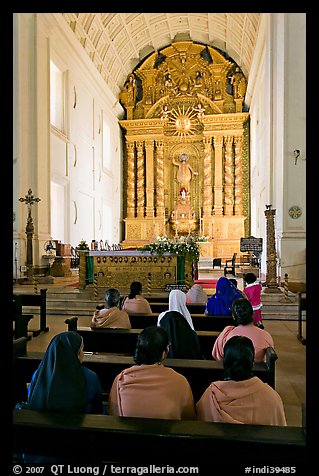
column 295, row 212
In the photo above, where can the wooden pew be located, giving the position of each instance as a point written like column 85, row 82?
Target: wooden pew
column 19, row 386
column 302, row 301
column 21, row 321
column 140, row 321
column 31, row 300
column 158, row 307
column 124, row 340
column 199, row 373
column 140, row 441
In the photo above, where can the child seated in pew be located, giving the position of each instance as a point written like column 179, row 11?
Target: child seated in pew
column 135, row 303
column 240, row 397
column 111, row 315
column 242, row 312
column 149, row 389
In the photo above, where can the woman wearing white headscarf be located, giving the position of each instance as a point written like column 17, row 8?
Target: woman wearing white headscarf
column 177, row 302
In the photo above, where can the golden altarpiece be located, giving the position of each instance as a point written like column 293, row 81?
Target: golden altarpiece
column 186, row 165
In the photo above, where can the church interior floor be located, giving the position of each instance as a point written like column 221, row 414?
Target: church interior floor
column 290, row 380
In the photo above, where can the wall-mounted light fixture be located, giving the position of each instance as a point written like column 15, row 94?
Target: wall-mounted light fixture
column 297, row 155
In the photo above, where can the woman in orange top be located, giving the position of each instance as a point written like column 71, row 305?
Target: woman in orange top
column 111, row 315
column 240, row 397
column 149, row 389
column 135, row 303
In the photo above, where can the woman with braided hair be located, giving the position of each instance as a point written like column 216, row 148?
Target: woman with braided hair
column 242, row 313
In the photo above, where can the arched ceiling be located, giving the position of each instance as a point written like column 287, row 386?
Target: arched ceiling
column 117, row 42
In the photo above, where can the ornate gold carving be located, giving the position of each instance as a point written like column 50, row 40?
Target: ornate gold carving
column 130, row 180
column 140, row 179
column 238, row 177
column 208, row 193
column 160, row 179
column 188, row 101
column 228, row 197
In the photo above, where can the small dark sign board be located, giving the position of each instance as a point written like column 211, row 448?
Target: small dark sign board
column 251, row 244
column 182, row 287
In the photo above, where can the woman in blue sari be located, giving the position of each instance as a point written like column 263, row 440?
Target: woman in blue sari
column 221, row 302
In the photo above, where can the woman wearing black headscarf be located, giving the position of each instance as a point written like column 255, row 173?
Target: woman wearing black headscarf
column 61, row 383
column 184, row 342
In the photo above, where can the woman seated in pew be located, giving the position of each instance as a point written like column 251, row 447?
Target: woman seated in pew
column 243, row 326
column 149, row 389
column 240, row 397
column 61, row 383
column 184, row 342
column 135, row 303
column 196, row 295
column 219, row 304
column 177, row 302
column 178, row 323
column 111, row 315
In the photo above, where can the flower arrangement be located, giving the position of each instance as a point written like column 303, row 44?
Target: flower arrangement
column 83, row 246
column 181, row 246
column 202, row 238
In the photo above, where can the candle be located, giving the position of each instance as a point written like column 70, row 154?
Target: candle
column 189, row 222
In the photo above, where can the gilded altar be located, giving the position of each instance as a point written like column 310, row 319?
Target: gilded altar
column 186, row 167
column 117, row 269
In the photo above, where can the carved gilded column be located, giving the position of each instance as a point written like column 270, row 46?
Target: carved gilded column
column 238, row 175
column 130, row 180
column 160, row 206
column 228, row 189
column 218, row 185
column 140, row 179
column 208, row 192
column 149, row 153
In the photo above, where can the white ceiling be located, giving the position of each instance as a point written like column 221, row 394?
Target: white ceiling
column 117, row 42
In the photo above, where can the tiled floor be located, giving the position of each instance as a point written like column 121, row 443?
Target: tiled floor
column 290, row 366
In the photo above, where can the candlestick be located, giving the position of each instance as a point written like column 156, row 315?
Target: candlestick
column 189, row 222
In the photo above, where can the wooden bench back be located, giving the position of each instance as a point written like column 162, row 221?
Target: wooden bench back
column 140, row 441
column 123, row 341
column 199, row 373
column 31, row 300
column 201, row 322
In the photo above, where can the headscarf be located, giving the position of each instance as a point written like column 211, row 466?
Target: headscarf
column 177, row 302
column 184, row 343
column 59, row 383
column 196, row 295
column 220, row 303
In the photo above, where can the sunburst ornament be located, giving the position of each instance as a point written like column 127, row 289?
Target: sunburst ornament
column 184, row 120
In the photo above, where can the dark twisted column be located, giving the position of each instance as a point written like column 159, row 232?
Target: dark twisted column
column 272, row 285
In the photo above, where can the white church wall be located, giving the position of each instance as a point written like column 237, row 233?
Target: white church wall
column 276, row 100
column 258, row 102
column 89, row 183
column 290, row 73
